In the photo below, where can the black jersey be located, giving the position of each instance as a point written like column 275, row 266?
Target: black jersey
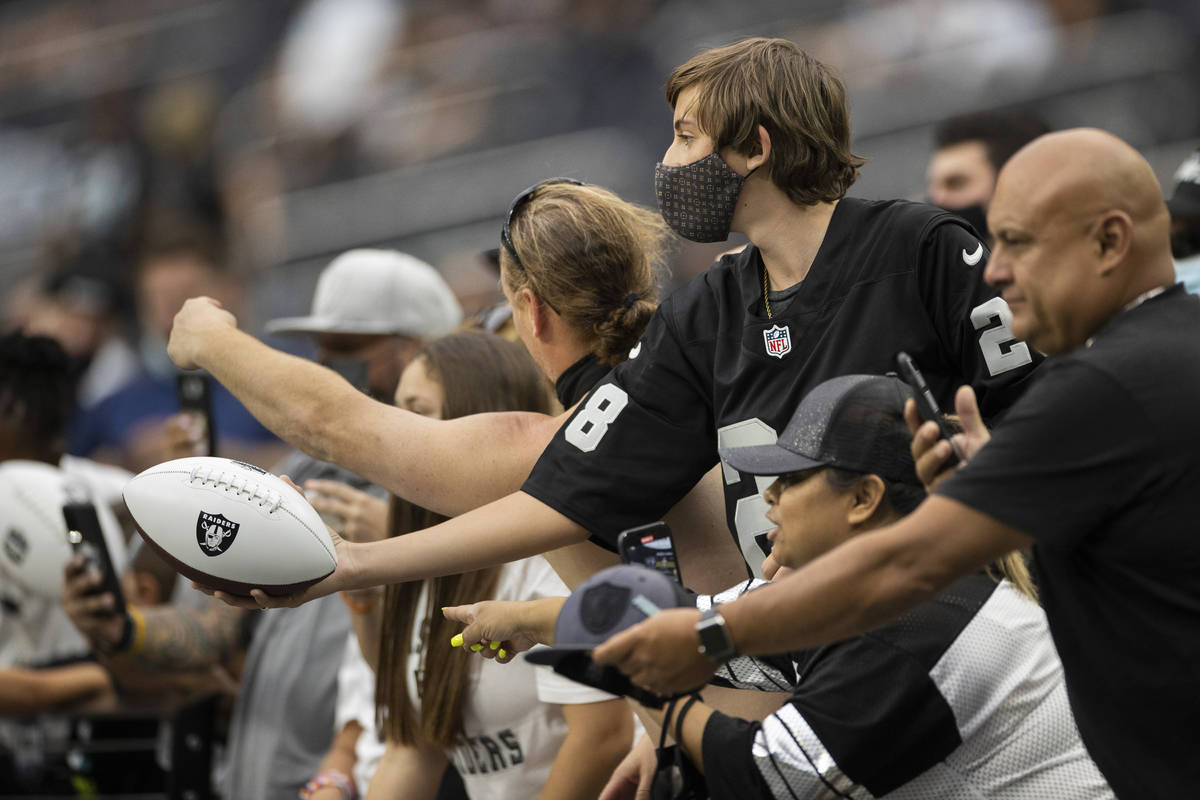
column 712, row 370
column 940, row 702
column 1098, row 463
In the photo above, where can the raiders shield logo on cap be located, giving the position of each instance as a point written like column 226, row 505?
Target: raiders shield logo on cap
column 602, row 607
column 778, row 341
column 215, row 533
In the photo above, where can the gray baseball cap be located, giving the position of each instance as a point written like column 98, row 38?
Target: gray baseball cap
column 378, row 292
column 605, row 604
column 854, row 422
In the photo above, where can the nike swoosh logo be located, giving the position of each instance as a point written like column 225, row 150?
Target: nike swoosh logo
column 973, row 259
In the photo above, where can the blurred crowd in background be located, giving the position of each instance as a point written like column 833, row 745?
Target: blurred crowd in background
column 155, row 150
column 292, row 130
column 243, row 144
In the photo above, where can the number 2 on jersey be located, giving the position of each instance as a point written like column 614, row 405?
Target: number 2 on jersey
column 1001, row 350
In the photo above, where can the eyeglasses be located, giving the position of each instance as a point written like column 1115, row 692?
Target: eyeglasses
column 519, row 202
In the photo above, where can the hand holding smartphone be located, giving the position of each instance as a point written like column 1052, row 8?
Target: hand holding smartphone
column 927, row 406
column 86, row 537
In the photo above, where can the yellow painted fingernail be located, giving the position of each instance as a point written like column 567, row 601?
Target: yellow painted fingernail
column 456, row 641
column 502, row 654
column 475, row 648
column 494, row 645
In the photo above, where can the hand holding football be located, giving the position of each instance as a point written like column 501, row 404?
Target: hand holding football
column 231, row 526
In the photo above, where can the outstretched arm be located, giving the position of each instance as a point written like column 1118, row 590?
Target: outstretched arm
column 515, row 527
column 515, row 625
column 35, row 691
column 171, row 639
column 850, row 590
column 448, row 466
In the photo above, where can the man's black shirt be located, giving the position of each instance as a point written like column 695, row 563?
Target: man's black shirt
column 1100, row 464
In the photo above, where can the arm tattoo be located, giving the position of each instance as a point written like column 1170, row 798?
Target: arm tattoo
column 186, row 639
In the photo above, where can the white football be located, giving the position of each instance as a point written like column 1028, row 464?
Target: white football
column 230, row 526
column 33, row 532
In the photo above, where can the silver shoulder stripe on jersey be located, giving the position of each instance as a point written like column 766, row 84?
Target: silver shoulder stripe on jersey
column 794, row 763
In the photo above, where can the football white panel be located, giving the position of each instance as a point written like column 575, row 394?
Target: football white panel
column 228, row 520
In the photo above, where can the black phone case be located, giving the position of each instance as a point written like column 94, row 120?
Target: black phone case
column 81, row 519
column 926, row 404
column 632, row 550
column 195, row 396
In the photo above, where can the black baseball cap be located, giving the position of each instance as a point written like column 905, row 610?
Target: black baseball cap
column 605, row 604
column 1185, row 197
column 855, row 422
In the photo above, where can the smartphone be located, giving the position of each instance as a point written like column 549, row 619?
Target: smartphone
column 651, row 546
column 85, row 536
column 195, row 397
column 926, row 405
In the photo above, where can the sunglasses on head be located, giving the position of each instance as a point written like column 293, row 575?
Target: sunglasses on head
column 519, row 202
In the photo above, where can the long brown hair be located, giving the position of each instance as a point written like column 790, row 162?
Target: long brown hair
column 594, row 258
column 479, row 372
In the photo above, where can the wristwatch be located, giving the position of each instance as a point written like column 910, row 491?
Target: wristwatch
column 715, row 641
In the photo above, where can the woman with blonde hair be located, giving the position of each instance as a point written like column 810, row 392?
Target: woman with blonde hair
column 580, row 268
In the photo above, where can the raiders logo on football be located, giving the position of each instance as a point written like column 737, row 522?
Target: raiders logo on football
column 215, row 533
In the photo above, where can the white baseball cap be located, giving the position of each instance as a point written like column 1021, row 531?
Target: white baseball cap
column 378, row 292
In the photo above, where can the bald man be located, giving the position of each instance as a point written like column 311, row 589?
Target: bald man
column 1097, row 468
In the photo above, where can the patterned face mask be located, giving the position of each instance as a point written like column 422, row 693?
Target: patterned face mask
column 698, row 200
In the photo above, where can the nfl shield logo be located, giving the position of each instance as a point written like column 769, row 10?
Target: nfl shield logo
column 215, row 533
column 778, row 341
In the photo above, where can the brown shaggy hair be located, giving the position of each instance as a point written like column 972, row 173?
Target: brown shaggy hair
column 798, row 100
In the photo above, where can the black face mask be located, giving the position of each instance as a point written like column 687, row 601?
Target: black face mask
column 1185, row 243
column 974, row 215
column 697, row 200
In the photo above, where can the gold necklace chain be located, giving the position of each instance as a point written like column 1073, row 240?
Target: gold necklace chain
column 766, row 291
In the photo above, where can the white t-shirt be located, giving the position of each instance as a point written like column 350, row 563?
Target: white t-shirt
column 512, row 720
column 356, row 700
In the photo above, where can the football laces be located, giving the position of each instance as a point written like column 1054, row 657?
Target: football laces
column 237, row 484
